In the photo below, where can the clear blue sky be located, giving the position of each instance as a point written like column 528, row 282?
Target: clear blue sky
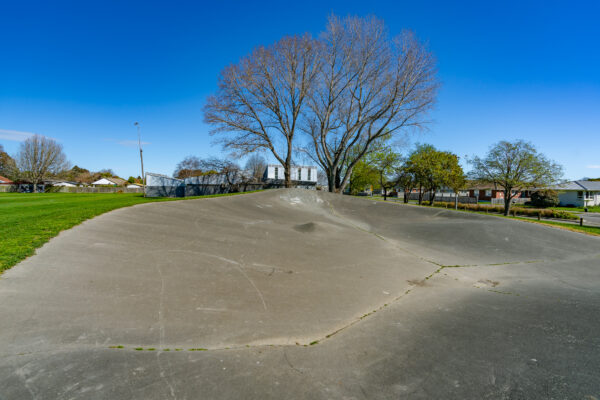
column 82, row 72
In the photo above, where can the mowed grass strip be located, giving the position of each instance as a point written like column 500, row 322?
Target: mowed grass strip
column 28, row 220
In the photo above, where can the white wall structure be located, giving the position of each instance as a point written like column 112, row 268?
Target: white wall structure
column 103, row 181
column 579, row 193
column 303, row 173
column 61, row 183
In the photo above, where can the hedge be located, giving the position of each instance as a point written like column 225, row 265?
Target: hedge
column 529, row 212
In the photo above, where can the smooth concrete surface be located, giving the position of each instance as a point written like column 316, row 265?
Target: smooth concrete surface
column 303, row 295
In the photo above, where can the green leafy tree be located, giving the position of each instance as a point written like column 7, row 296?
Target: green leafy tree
column 545, row 198
column 363, row 175
column 8, row 166
column 405, row 179
column 386, row 163
column 515, row 166
column 433, row 169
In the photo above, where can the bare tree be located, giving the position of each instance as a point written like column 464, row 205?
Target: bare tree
column 256, row 165
column 40, row 157
column 367, row 86
column 226, row 168
column 188, row 167
column 259, row 100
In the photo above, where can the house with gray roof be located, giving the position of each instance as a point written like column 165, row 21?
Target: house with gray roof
column 579, row 193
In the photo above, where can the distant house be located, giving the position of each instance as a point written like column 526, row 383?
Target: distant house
column 487, row 192
column 5, row 181
column 579, row 193
column 110, row 182
column 134, row 186
column 60, row 182
column 301, row 175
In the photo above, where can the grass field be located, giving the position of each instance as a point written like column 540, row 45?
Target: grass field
column 28, row 220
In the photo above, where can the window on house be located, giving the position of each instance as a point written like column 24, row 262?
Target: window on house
column 589, row 195
column 276, row 173
column 299, row 174
column 580, row 194
column 309, row 174
column 488, row 192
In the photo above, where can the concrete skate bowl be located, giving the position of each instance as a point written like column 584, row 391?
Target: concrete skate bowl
column 280, row 267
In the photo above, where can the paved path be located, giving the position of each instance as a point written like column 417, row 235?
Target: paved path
column 589, row 218
column 305, row 295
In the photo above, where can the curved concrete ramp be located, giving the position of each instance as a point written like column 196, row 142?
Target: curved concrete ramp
column 252, row 278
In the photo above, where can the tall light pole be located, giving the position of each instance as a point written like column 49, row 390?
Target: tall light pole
column 140, row 146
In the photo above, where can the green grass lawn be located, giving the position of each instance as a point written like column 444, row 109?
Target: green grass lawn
column 28, row 220
column 590, row 209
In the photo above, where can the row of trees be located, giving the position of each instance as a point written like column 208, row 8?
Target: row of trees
column 192, row 166
column 331, row 98
column 40, row 158
column 425, row 168
column 510, row 166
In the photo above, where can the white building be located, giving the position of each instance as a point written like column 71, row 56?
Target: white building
column 579, row 193
column 60, row 183
column 299, row 173
column 109, row 182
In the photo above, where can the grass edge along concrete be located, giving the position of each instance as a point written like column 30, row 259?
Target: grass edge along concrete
column 30, row 220
column 588, row 230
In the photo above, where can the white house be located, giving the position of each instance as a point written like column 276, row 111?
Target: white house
column 61, row 183
column 299, row 173
column 579, row 193
column 109, row 182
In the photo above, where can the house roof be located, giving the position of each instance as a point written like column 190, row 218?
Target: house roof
column 116, row 181
column 5, row 181
column 579, row 185
column 51, row 181
column 481, row 186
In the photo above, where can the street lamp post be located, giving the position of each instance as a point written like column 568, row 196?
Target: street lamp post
column 137, row 124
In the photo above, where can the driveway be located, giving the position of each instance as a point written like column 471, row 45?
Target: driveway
column 591, row 218
column 304, row 295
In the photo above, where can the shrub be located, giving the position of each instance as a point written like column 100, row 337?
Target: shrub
column 529, row 212
column 544, row 198
column 563, row 214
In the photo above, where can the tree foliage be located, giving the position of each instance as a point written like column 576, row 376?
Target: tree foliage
column 386, row 163
column 544, row 198
column 515, row 166
column 430, row 169
column 8, row 166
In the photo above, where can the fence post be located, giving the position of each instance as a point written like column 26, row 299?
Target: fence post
column 539, row 215
column 580, row 221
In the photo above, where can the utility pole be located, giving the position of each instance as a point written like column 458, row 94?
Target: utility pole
column 140, row 146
